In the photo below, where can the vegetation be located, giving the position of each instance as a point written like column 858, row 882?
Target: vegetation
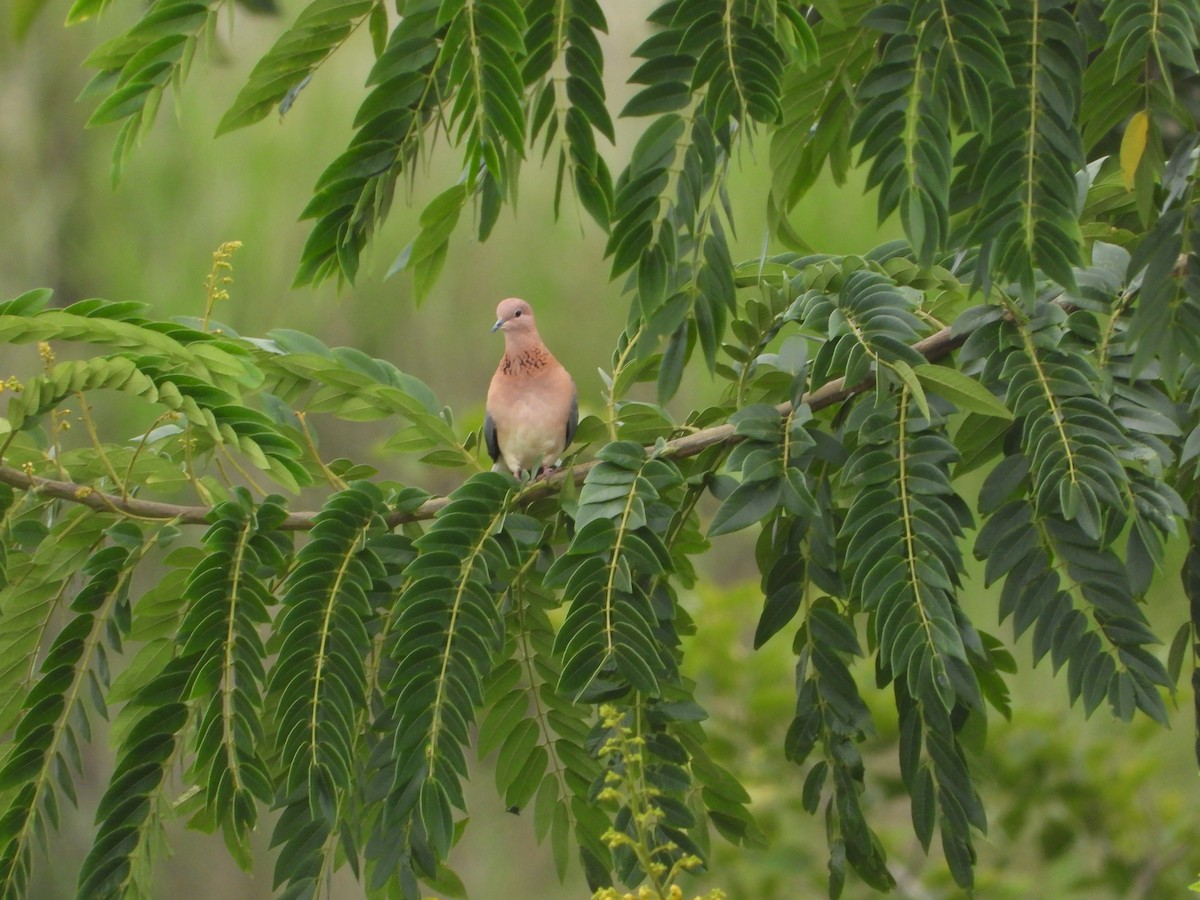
column 1018, row 381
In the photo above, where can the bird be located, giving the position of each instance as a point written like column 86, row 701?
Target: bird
column 532, row 403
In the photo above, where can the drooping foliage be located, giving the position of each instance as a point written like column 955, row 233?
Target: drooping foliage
column 1035, row 331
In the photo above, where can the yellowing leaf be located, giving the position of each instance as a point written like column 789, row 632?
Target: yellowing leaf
column 1133, row 145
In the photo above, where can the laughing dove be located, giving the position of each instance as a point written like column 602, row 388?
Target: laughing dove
column 532, row 409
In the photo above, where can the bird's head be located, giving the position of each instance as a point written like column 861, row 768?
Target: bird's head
column 514, row 316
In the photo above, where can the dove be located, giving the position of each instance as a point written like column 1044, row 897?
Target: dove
column 532, row 404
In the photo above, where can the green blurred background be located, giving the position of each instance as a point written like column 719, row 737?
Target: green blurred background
column 1079, row 809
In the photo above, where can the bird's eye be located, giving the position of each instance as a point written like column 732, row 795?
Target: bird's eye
column 517, row 314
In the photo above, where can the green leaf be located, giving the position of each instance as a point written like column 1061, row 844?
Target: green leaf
column 961, row 390
column 904, row 128
column 317, row 33
column 56, row 717
column 446, row 633
column 228, row 598
column 783, row 603
column 749, row 503
column 610, row 634
column 353, row 193
column 318, row 685
column 909, row 378
column 1179, row 647
column 1026, row 214
column 136, row 67
column 429, row 249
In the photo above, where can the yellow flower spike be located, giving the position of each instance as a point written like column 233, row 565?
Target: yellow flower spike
column 614, row 839
column 27, row 468
column 214, row 292
column 46, row 353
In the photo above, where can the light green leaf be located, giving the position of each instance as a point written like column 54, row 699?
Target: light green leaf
column 961, row 390
column 909, row 377
column 317, row 33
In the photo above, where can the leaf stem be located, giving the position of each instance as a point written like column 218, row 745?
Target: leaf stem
column 90, row 427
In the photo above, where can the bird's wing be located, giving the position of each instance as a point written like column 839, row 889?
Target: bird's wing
column 489, row 437
column 572, row 417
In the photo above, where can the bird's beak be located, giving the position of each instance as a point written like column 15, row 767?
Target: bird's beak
column 496, row 327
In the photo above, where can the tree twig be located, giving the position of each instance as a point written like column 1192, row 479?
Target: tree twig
column 934, row 347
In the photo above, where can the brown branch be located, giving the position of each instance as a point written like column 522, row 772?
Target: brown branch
column 934, row 347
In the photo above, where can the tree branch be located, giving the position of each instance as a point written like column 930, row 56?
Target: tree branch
column 934, row 347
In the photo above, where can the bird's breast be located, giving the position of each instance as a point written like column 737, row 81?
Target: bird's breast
column 530, row 415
